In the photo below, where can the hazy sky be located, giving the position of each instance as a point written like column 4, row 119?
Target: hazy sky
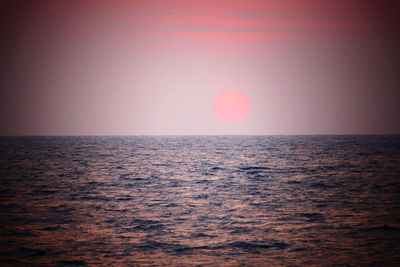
column 154, row 67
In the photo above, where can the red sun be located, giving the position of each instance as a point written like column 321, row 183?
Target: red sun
column 231, row 106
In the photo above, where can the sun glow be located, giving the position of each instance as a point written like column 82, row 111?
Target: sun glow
column 231, row 106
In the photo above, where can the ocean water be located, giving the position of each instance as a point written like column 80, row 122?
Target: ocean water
column 200, row 201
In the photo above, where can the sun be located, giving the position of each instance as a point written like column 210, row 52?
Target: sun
column 231, row 106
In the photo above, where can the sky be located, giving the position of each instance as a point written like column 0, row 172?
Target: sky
column 154, row 67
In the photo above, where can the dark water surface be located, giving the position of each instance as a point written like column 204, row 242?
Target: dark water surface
column 200, row 201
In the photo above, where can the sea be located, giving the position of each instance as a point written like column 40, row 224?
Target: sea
column 307, row 200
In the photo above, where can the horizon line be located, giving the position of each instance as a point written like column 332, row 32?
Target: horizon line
column 205, row 135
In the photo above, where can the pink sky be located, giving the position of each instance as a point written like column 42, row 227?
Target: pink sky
column 154, row 67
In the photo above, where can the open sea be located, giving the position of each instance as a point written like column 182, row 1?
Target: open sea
column 200, row 201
